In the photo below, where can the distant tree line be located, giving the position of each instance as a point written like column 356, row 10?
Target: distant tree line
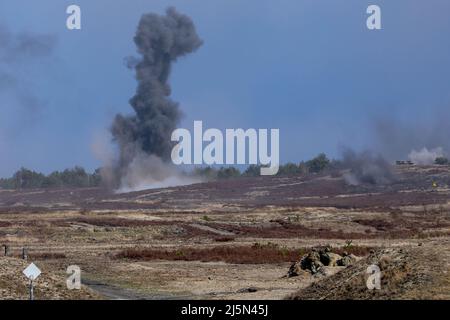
column 443, row 161
column 316, row 165
column 75, row 177
column 319, row 164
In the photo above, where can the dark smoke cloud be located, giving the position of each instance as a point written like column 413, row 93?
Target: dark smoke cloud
column 366, row 168
column 160, row 41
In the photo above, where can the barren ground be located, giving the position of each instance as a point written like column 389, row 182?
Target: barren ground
column 231, row 239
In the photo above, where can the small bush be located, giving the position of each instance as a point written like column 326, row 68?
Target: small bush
column 224, row 239
column 442, row 161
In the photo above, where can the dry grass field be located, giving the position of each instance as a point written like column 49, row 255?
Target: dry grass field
column 232, row 239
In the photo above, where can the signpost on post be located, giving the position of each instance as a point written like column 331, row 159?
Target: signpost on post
column 32, row 272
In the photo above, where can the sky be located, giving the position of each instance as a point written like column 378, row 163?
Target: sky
column 310, row 68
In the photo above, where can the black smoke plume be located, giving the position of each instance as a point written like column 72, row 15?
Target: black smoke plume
column 146, row 134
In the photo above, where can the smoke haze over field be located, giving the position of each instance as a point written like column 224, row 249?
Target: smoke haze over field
column 16, row 50
column 144, row 138
column 425, row 156
column 420, row 142
column 366, row 167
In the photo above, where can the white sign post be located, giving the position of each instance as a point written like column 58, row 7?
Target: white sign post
column 32, row 272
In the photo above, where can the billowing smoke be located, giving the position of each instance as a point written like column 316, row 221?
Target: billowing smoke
column 425, row 156
column 143, row 138
column 366, row 167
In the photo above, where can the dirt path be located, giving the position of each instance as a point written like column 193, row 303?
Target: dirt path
column 213, row 230
column 110, row 292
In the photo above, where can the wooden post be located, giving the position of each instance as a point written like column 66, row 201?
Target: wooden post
column 31, row 290
column 6, row 249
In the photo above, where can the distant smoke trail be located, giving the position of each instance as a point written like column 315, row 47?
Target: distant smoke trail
column 366, row 167
column 397, row 140
column 16, row 50
column 144, row 136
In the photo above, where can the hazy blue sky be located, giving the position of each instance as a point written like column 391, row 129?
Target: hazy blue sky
column 308, row 67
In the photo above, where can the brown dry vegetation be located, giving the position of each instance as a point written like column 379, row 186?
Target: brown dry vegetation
column 199, row 240
column 282, row 229
column 116, row 222
column 46, row 256
column 255, row 254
